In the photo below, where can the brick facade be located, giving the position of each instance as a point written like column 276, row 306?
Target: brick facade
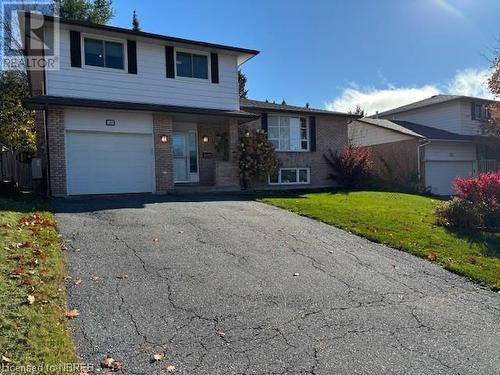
column 57, row 155
column 396, row 162
column 162, row 125
column 331, row 134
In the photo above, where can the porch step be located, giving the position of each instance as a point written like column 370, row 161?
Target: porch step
column 190, row 189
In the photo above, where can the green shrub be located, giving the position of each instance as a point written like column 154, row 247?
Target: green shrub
column 460, row 213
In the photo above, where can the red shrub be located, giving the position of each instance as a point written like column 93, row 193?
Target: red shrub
column 352, row 166
column 484, row 189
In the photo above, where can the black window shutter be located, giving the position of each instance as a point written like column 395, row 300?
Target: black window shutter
column 214, row 64
column 75, row 45
column 312, row 133
column 169, row 60
column 132, row 56
column 263, row 119
column 472, row 111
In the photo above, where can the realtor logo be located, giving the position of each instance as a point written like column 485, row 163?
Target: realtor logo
column 29, row 35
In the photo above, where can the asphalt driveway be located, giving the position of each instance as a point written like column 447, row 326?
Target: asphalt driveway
column 228, row 286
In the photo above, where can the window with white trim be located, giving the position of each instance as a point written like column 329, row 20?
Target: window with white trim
column 291, row 176
column 191, row 65
column 288, row 133
column 103, row 53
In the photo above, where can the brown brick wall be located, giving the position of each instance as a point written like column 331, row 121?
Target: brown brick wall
column 57, row 156
column 396, row 161
column 162, row 125
column 331, row 133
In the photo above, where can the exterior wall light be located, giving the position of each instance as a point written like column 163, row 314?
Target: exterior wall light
column 205, row 139
column 163, row 138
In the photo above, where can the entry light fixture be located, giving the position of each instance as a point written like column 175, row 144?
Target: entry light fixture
column 205, row 139
column 163, row 138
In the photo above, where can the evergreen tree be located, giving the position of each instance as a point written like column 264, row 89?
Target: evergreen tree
column 242, row 80
column 135, row 22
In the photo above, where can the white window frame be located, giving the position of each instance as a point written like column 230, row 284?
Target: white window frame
column 308, row 139
column 193, row 52
column 297, row 175
column 106, row 39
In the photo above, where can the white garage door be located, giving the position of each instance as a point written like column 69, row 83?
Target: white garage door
column 439, row 175
column 102, row 163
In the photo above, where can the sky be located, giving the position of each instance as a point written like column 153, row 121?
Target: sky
column 337, row 54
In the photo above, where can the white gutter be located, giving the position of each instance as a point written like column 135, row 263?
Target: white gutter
column 418, row 158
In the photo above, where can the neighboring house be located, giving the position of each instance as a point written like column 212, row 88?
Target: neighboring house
column 437, row 139
column 131, row 112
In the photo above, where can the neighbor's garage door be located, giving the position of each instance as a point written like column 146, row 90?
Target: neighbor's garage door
column 102, row 163
column 439, row 175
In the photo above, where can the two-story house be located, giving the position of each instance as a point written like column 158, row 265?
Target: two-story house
column 129, row 111
column 439, row 138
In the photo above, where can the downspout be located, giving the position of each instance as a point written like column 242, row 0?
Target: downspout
column 425, row 143
column 46, row 115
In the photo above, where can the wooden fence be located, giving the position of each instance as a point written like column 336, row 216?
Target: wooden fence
column 15, row 171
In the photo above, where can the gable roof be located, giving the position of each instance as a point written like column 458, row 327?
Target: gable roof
column 433, row 100
column 249, row 104
column 417, row 130
column 245, row 51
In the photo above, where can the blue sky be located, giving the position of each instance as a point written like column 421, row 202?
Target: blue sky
column 339, row 53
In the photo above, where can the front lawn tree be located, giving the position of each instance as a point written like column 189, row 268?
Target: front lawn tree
column 242, row 81
column 257, row 158
column 97, row 11
column 493, row 125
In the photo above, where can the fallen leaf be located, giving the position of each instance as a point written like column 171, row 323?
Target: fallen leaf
column 31, row 299
column 94, row 278
column 330, row 251
column 6, row 359
column 107, row 362
column 181, row 231
column 221, row 334
column 158, row 357
column 296, row 274
column 155, row 240
column 78, row 281
column 73, row 313
column 31, row 272
column 77, row 250
column 122, row 277
column 117, row 366
column 170, row 369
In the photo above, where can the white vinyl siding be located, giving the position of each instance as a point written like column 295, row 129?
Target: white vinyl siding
column 446, row 116
column 291, row 176
column 288, row 133
column 149, row 85
column 362, row 134
column 450, row 151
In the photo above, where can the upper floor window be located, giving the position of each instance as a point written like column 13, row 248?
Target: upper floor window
column 191, row 65
column 103, row 53
column 288, row 133
column 479, row 112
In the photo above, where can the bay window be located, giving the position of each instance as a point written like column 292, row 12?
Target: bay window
column 288, row 133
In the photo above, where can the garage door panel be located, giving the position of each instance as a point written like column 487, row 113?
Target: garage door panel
column 102, row 163
column 439, row 175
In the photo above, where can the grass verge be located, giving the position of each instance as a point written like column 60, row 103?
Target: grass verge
column 34, row 330
column 405, row 222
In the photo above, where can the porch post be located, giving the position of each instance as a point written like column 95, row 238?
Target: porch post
column 164, row 170
column 233, row 139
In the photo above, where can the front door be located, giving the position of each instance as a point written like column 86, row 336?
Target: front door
column 185, row 156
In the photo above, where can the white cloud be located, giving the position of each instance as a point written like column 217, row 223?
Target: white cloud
column 469, row 82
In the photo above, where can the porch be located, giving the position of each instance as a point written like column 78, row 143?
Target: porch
column 203, row 154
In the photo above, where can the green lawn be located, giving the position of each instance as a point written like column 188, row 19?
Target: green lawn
column 404, row 222
column 31, row 332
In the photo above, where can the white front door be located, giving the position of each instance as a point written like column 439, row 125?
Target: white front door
column 185, row 152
